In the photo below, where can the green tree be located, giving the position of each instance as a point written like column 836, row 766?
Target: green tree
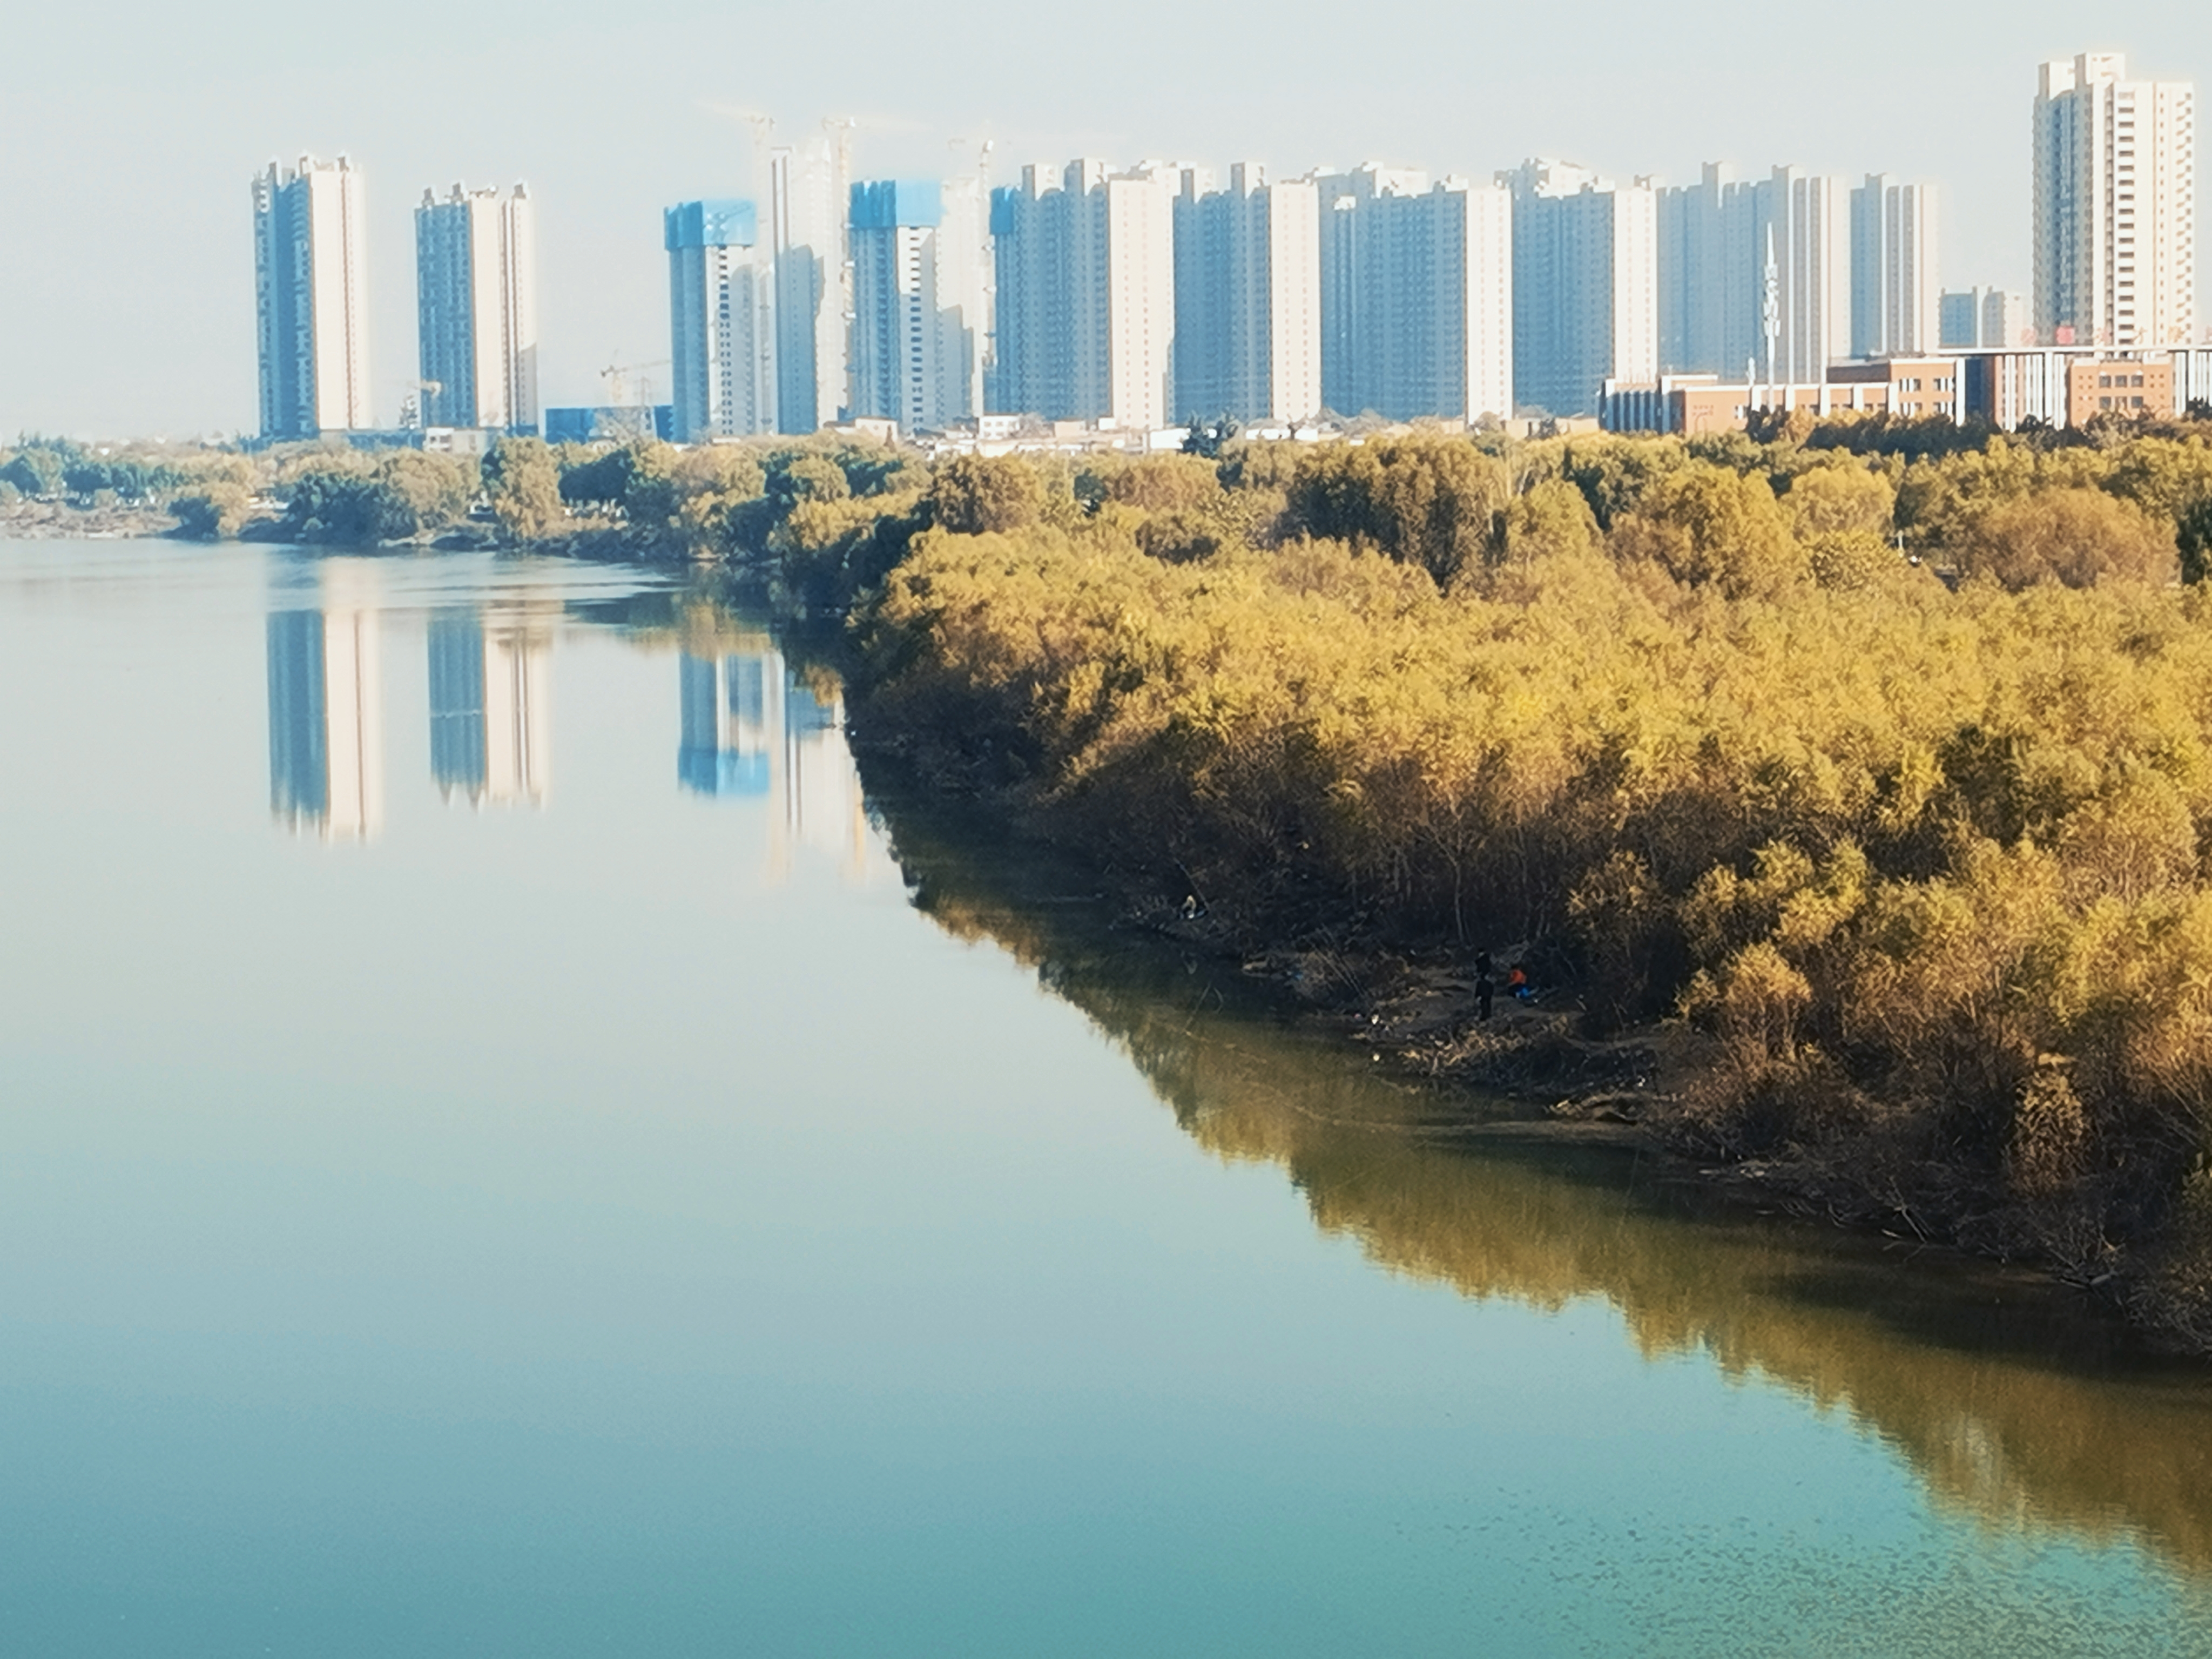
column 1613, row 473
column 804, row 475
column 35, row 471
column 596, row 479
column 522, row 482
column 214, row 511
column 1207, row 439
column 343, row 499
column 650, row 495
column 2193, row 537
column 714, row 483
column 418, row 493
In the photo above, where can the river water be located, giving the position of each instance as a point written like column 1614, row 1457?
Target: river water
column 504, row 1151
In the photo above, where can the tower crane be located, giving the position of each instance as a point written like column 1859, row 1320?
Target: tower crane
column 617, row 376
column 764, row 129
column 419, row 409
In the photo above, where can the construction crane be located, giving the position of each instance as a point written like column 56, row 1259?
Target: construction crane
column 983, row 148
column 840, row 129
column 617, row 376
column 414, row 413
column 763, row 128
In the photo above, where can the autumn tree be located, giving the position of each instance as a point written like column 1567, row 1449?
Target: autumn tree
column 2077, row 537
column 1429, row 501
column 1551, row 519
column 983, row 494
column 1166, row 484
column 1705, row 526
column 1834, row 499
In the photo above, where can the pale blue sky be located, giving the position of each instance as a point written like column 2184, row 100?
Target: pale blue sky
column 129, row 133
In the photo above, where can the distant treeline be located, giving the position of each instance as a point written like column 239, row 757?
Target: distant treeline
column 57, row 469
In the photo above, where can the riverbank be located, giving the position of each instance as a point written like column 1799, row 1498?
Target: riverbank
column 1534, row 1071
column 37, row 520
column 1900, row 886
column 1884, row 894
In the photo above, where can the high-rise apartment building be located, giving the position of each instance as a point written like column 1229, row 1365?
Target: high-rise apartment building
column 1985, row 319
column 1895, row 284
column 2115, row 227
column 1755, row 278
column 1958, row 320
column 963, row 293
column 1809, row 217
column 1086, row 293
column 809, row 187
column 1585, row 285
column 311, row 302
column 919, row 328
column 1248, row 298
column 1139, row 317
column 476, row 287
column 1708, row 292
column 721, row 314
column 1417, row 295
column 2006, row 320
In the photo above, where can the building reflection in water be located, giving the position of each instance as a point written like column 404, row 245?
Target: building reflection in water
column 732, row 722
column 490, row 704
column 325, row 713
column 753, row 729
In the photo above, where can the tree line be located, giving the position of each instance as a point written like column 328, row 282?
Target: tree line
column 1886, row 773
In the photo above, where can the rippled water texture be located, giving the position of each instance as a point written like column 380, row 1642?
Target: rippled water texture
column 503, row 1152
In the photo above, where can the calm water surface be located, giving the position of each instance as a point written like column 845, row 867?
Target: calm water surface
column 504, row 1152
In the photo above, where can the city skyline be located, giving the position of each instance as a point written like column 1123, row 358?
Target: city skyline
column 170, row 364
column 1144, row 296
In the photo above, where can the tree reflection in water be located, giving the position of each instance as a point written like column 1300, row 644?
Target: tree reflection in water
column 2015, row 1402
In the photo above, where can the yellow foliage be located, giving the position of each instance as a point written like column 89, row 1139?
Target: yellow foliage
column 1864, row 828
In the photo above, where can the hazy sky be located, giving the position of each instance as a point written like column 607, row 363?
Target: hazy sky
column 130, row 132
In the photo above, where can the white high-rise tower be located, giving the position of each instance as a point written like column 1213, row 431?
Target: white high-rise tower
column 312, row 308
column 475, row 285
column 1896, row 288
column 1248, row 298
column 722, row 321
column 1416, row 295
column 919, row 329
column 1086, row 293
column 2115, row 210
column 808, row 188
column 1585, row 284
column 1808, row 214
